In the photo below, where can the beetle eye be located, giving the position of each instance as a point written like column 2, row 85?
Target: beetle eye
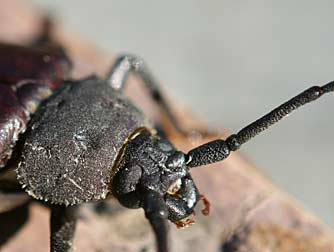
column 175, row 187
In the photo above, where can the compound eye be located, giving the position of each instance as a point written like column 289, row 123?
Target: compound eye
column 175, row 187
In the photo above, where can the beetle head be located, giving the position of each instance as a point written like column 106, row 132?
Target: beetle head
column 152, row 164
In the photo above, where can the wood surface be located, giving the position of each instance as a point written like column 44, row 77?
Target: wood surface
column 248, row 212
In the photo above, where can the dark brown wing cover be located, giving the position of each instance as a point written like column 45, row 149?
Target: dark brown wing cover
column 12, row 121
column 27, row 76
column 72, row 144
column 46, row 65
column 15, row 109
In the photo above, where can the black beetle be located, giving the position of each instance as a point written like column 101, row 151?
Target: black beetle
column 85, row 140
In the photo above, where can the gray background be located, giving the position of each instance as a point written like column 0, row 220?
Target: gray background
column 232, row 61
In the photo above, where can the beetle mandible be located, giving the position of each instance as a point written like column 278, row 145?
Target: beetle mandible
column 86, row 140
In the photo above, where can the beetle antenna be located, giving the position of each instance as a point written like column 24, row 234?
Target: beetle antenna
column 250, row 131
column 218, row 150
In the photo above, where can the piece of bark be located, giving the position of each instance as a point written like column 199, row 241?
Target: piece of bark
column 248, row 212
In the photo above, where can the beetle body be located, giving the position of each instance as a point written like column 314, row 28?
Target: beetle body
column 71, row 142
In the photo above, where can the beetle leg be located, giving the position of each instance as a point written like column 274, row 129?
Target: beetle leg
column 156, row 212
column 160, row 130
column 126, row 64
column 63, row 221
column 45, row 35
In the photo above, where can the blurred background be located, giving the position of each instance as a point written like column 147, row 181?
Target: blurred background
column 231, row 61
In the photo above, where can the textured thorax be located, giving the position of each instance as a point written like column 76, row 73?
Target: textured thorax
column 74, row 140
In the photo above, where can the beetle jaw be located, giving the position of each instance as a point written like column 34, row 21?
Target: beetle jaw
column 181, row 204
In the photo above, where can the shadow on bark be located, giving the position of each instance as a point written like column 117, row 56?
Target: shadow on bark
column 12, row 221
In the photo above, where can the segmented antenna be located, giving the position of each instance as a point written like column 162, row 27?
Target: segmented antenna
column 261, row 124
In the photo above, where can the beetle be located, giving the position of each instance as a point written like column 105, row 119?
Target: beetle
column 76, row 141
